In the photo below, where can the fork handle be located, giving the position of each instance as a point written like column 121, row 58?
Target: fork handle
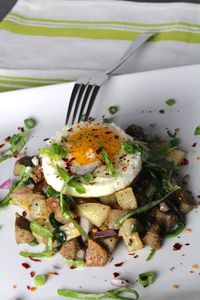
column 136, row 43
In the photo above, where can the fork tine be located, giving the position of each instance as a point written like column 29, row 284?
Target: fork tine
column 78, row 100
column 86, row 96
column 91, row 102
column 71, row 101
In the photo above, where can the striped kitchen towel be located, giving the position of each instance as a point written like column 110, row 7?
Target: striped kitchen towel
column 52, row 41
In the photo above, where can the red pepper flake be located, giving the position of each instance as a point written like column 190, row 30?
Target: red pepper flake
column 161, row 111
column 2, row 145
column 116, row 274
column 26, row 266
column 198, row 196
column 45, row 139
column 177, row 129
column 119, row 264
column 136, row 256
column 185, row 162
column 191, row 271
column 31, row 289
column 32, row 273
column 14, row 286
column 52, row 273
column 177, row 246
column 35, row 259
column 172, row 268
column 187, row 244
column 194, row 145
column 198, row 157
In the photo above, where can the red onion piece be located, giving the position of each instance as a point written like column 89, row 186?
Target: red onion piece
column 104, row 233
column 119, row 282
column 6, row 184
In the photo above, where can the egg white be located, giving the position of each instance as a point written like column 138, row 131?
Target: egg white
column 127, row 168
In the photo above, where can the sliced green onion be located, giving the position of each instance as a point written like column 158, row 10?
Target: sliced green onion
column 54, row 151
column 29, row 123
column 113, row 109
column 76, row 263
column 77, row 186
column 106, row 120
column 63, row 174
column 170, row 102
column 197, row 130
column 112, row 294
column 87, row 177
column 144, row 208
column 147, row 278
column 151, row 254
column 110, row 166
column 33, row 243
column 40, row 230
column 131, row 147
column 40, row 279
column 134, row 227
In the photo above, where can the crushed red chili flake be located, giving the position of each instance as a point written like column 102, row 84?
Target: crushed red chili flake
column 187, row 244
column 31, row 289
column 161, row 111
column 116, row 274
column 198, row 196
column 32, row 273
column 14, row 286
column 198, row 157
column 25, row 265
column 185, row 162
column 35, row 259
column 52, row 273
column 119, row 264
column 45, row 139
column 177, row 246
column 2, row 145
column 177, row 129
column 136, row 256
column 194, row 145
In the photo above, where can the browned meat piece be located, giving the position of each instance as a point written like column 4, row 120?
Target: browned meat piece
column 185, row 201
column 166, row 219
column 22, row 230
column 96, row 256
column 135, row 131
column 152, row 237
column 37, row 175
column 52, row 203
column 110, row 243
column 69, row 249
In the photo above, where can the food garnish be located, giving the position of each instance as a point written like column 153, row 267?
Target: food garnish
column 40, row 279
column 170, row 102
column 147, row 278
column 197, row 130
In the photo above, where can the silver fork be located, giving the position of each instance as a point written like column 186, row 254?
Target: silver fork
column 86, row 88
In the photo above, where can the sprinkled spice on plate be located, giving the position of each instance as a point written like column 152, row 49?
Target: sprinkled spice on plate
column 177, row 246
column 119, row 264
column 26, row 265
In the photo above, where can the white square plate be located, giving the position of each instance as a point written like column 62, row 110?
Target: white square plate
column 140, row 97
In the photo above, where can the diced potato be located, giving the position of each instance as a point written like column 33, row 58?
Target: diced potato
column 96, row 213
column 59, row 217
column 38, row 210
column 126, row 198
column 70, row 230
column 110, row 243
column 25, row 201
column 109, row 200
column 131, row 240
column 176, row 156
column 113, row 216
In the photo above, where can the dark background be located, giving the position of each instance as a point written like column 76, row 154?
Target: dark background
column 6, row 5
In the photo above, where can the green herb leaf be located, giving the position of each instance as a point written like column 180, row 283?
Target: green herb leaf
column 110, row 166
column 170, row 102
column 106, row 120
column 75, row 263
column 197, row 130
column 29, row 123
column 50, row 192
column 55, row 151
column 33, row 243
column 40, row 230
column 147, row 278
column 113, row 109
column 134, row 227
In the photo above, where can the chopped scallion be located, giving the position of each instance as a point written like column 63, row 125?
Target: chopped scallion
column 29, row 123
column 147, row 278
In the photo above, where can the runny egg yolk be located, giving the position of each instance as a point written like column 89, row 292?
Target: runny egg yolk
column 86, row 143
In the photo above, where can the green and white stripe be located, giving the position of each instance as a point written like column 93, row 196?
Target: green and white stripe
column 68, row 39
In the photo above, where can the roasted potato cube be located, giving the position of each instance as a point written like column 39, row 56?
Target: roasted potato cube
column 23, row 233
column 176, row 156
column 25, row 201
column 96, row 213
column 126, row 198
column 96, row 255
column 39, row 210
column 113, row 216
column 70, row 249
column 109, row 200
column 131, row 239
column 109, row 243
column 70, row 230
